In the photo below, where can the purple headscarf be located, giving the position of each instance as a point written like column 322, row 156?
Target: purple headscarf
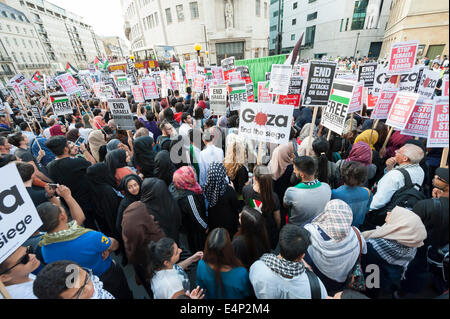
column 361, row 153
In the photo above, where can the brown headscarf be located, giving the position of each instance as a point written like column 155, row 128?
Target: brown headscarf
column 96, row 139
column 282, row 157
column 138, row 229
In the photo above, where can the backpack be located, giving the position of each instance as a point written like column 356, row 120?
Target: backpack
column 407, row 196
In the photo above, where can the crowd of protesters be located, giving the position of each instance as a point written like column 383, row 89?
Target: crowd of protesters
column 189, row 204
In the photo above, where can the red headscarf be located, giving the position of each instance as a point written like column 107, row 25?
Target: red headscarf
column 99, row 122
column 184, row 178
column 56, row 130
column 361, row 153
column 202, row 104
column 396, row 141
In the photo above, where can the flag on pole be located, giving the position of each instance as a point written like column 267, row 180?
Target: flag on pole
column 70, row 69
column 294, row 54
column 36, row 78
column 98, row 63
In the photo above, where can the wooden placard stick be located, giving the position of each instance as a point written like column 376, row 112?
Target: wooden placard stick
column 351, row 122
column 444, row 157
column 391, row 129
column 311, row 130
column 329, row 135
column 34, row 135
column 4, row 292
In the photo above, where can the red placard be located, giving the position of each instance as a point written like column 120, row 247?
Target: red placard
column 68, row 83
column 420, row 119
column 137, row 94
column 263, row 93
column 384, row 103
column 235, row 77
column 403, row 57
column 290, row 99
column 150, row 89
column 217, row 73
column 438, row 131
column 402, row 109
column 445, row 85
column 191, row 69
column 199, row 83
column 356, row 101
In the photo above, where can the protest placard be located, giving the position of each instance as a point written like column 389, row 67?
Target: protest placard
column 445, row 85
column 61, row 104
column 401, row 109
column 320, row 82
column 199, row 83
column 267, row 77
column 217, row 73
column 238, row 94
column 149, row 88
column 335, row 114
column 36, row 112
column 408, row 81
column 366, row 73
column 263, row 92
column 403, row 57
column 428, row 83
column 228, row 67
column 68, row 83
column 83, row 93
column 356, row 101
column 18, row 216
column 245, row 73
column 218, row 99
column 384, row 103
column 123, row 84
column 250, row 92
column 266, row 122
column 420, row 119
column 294, row 93
column 96, row 87
column 280, row 79
column 120, row 112
column 438, row 130
column 235, row 77
column 106, row 93
column 137, row 94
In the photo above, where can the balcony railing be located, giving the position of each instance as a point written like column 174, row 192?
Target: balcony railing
column 5, row 58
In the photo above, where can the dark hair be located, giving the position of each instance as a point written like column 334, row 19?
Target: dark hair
column 321, row 147
column 6, row 159
column 179, row 107
column 26, row 170
column 305, row 164
column 102, row 151
column 198, row 113
column 163, row 124
column 173, row 102
column 184, row 116
column 56, row 145
column 51, row 281
column 383, row 132
column 15, row 139
column 49, row 215
column 253, row 230
column 3, row 140
column 188, row 90
column 79, row 125
column 168, row 114
column 138, row 124
column 158, row 253
column 23, row 126
column 233, row 121
column 219, row 252
column 96, row 112
column 209, row 123
column 265, row 182
column 150, row 116
column 294, row 241
column 353, row 173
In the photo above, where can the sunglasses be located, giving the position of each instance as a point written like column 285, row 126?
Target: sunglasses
column 24, row 260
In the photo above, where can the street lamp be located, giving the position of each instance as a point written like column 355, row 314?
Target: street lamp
column 198, row 48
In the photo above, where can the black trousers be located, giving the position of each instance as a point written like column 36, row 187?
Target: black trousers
column 115, row 282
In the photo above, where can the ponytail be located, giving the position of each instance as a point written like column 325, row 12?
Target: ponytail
column 157, row 254
column 321, row 147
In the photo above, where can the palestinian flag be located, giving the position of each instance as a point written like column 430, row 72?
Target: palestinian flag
column 36, row 78
column 70, row 69
column 342, row 91
column 98, row 63
column 256, row 204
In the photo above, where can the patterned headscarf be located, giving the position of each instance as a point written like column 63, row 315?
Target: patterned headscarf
column 336, row 220
column 360, row 153
column 184, row 178
column 216, row 183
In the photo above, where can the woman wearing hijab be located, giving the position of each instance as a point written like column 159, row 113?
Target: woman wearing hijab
column 164, row 167
column 392, row 247
column 159, row 203
column 131, row 187
column 335, row 246
column 370, row 137
column 73, row 135
column 58, row 130
column 144, row 156
column 106, row 198
column 189, row 196
column 223, row 204
column 117, row 165
column 96, row 139
column 112, row 145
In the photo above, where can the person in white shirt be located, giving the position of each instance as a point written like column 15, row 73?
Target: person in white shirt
column 285, row 276
column 210, row 154
column 186, row 124
column 15, row 273
column 27, row 131
column 407, row 157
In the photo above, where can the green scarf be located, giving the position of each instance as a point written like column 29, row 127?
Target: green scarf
column 194, row 161
column 73, row 232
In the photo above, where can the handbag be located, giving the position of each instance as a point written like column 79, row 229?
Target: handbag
column 355, row 279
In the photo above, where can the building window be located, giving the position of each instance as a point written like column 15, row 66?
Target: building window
column 310, row 34
column 311, row 1
column 194, row 10
column 156, row 19
column 152, row 22
column 294, row 21
column 168, row 16
column 346, row 24
column 311, row 16
column 342, row 23
column 258, row 8
column 9, row 27
column 275, row 14
column 265, row 10
column 273, row 28
column 180, row 14
column 15, row 41
column 23, row 42
column 359, row 14
column 295, row 5
column 292, row 37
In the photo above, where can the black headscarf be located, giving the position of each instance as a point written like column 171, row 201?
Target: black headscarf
column 144, row 155
column 155, row 195
column 106, row 200
column 164, row 167
column 115, row 159
column 128, row 199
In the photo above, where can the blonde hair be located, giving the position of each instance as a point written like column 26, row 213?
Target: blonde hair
column 235, row 157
